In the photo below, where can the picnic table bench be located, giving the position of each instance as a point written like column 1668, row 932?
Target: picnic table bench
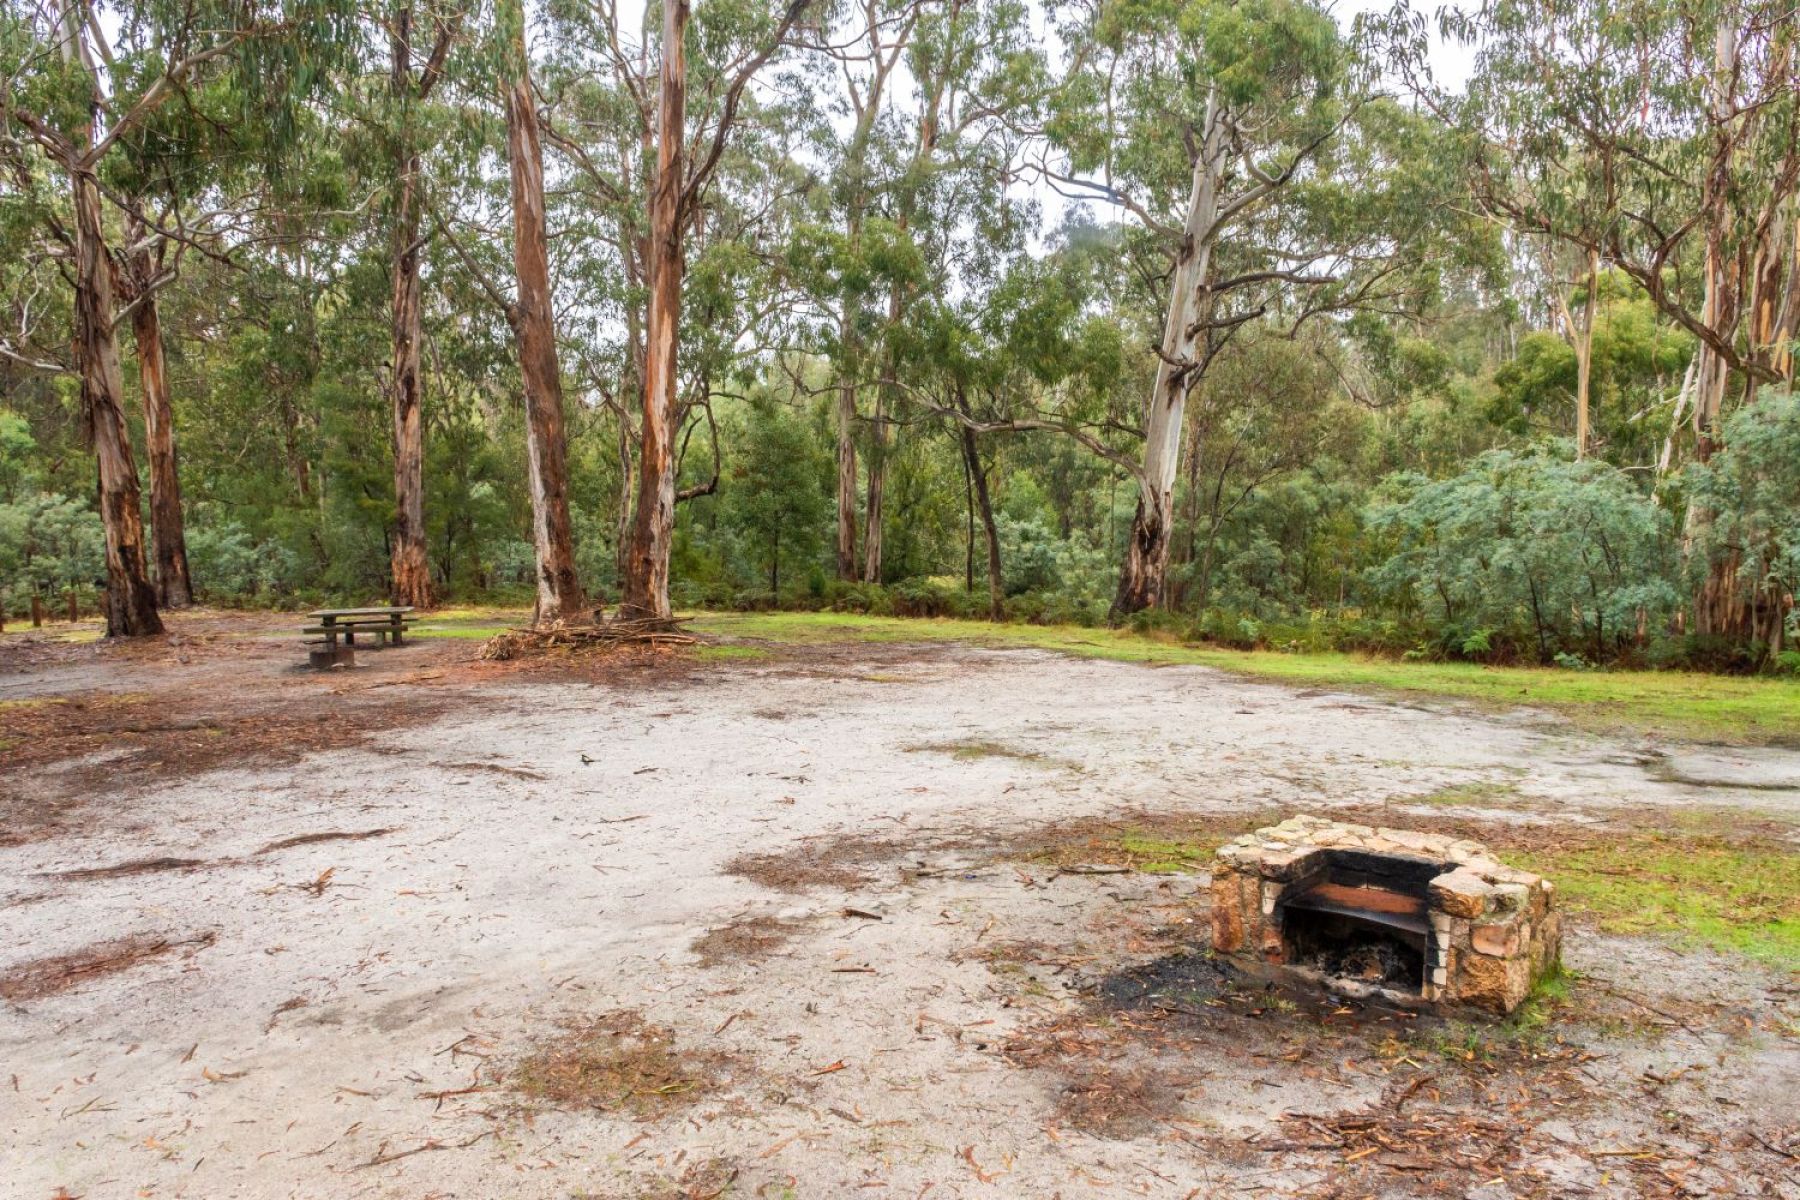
column 387, row 625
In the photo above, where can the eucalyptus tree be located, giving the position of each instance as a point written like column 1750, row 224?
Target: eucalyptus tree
column 533, row 320
column 159, row 169
column 146, row 259
column 735, row 44
column 864, row 47
column 531, row 315
column 979, row 76
column 189, row 182
column 919, row 102
column 1027, row 351
column 71, row 97
column 416, row 66
column 598, row 113
column 1268, row 180
column 1665, row 138
column 1679, row 125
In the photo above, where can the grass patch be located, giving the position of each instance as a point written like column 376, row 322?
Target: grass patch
column 434, row 630
column 730, row 653
column 973, row 749
column 1481, row 793
column 1708, row 890
column 1160, row 856
column 482, row 612
column 1675, row 703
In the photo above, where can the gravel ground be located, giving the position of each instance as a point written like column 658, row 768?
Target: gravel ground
column 315, row 960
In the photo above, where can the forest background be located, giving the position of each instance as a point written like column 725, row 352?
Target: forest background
column 1223, row 316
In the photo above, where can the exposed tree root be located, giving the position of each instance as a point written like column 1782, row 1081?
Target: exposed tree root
column 570, row 636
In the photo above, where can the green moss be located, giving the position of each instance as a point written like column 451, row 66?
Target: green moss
column 976, row 749
column 730, row 653
column 1480, row 793
column 970, row 749
column 1675, row 703
column 1160, row 856
column 1549, row 992
column 1703, row 890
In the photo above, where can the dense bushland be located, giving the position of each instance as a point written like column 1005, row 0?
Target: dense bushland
column 1220, row 319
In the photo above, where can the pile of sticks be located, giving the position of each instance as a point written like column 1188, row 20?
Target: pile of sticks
column 583, row 635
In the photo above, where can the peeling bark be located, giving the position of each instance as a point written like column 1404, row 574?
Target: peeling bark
column 653, row 528
column 410, row 566
column 130, row 600
column 1718, row 606
column 168, row 537
column 846, row 466
column 877, row 488
column 533, row 321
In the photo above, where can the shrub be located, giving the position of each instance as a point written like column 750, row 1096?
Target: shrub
column 1525, row 550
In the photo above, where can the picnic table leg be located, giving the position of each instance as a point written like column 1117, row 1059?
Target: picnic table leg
column 331, row 654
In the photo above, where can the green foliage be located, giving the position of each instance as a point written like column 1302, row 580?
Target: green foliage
column 18, row 461
column 779, row 503
column 48, row 544
column 1372, row 459
column 1558, row 555
column 1638, row 361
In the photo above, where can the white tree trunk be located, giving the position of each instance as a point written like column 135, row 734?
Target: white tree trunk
column 1147, row 552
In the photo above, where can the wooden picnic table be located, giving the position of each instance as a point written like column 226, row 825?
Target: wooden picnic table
column 387, row 623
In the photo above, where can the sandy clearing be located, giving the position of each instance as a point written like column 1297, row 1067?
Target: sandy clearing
column 297, row 1054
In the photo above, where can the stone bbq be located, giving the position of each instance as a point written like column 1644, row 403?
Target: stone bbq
column 1410, row 917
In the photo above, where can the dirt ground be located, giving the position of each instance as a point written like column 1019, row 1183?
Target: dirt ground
column 841, row 921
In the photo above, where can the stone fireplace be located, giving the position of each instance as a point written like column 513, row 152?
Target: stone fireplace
column 1414, row 918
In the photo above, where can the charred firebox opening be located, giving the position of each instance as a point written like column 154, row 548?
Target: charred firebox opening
column 1363, row 916
column 1346, row 947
